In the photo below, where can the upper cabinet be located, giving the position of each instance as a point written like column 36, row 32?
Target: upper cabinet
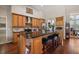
column 60, row 26
column 18, row 20
column 14, row 20
column 37, row 22
column 24, row 21
column 41, row 21
column 59, row 21
column 34, row 21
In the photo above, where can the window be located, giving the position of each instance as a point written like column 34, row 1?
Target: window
column 74, row 22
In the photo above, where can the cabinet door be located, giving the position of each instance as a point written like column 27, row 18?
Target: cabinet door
column 41, row 21
column 59, row 21
column 34, row 22
column 22, row 43
column 36, row 46
column 38, row 23
column 20, row 21
column 14, row 20
column 15, row 37
column 24, row 21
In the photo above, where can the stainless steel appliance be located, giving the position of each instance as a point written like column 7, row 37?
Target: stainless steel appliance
column 28, row 33
column 67, row 31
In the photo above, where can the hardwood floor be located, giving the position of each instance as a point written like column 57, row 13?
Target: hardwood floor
column 69, row 47
column 8, row 48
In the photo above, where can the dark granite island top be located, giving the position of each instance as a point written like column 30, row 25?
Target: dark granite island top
column 45, row 34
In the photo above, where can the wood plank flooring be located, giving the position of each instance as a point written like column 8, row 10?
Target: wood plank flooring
column 69, row 47
column 8, row 48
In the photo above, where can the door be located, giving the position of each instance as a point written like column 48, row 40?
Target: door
column 22, row 43
column 24, row 21
column 20, row 21
column 14, row 20
column 59, row 21
column 36, row 45
column 34, row 21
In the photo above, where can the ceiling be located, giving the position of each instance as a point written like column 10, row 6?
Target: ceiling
column 51, row 11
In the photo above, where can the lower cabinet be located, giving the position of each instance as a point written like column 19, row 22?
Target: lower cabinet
column 20, row 39
column 22, row 44
column 15, row 37
column 36, row 45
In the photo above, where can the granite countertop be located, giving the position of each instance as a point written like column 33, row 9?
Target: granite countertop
column 36, row 36
column 44, row 34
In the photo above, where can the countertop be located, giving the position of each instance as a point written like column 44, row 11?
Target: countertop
column 38, row 35
column 45, row 34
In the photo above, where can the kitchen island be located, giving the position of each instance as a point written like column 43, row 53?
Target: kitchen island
column 37, row 45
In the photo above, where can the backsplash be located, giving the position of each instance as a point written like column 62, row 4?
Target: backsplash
column 35, row 29
column 18, row 29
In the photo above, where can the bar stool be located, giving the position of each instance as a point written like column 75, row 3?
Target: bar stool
column 44, row 43
column 50, row 38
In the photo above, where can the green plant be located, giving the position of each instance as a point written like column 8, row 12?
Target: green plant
column 50, row 25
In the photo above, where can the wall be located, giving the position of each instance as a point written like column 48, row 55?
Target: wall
column 53, row 11
column 21, row 9
column 6, row 11
column 71, row 10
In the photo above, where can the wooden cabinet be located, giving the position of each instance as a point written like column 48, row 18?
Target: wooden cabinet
column 19, row 20
column 59, row 21
column 60, row 27
column 37, row 22
column 20, row 40
column 22, row 43
column 15, row 37
column 40, row 22
column 34, row 22
column 14, row 20
column 36, row 45
column 24, row 21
